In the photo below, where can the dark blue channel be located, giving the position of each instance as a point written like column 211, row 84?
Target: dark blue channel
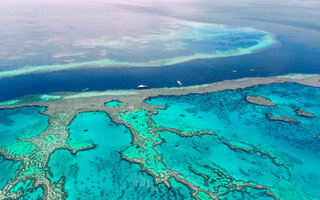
column 289, row 58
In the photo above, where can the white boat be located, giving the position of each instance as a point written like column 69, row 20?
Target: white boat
column 142, row 87
column 179, row 83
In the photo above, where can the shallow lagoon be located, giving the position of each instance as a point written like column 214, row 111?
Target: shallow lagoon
column 21, row 123
column 190, row 155
column 100, row 172
column 18, row 123
column 275, row 154
column 113, row 103
column 8, row 170
column 246, row 125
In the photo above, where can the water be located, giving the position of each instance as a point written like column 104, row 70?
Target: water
column 192, row 153
column 52, row 35
column 35, row 194
column 244, row 124
column 48, row 39
column 8, row 169
column 30, row 193
column 100, row 173
column 113, row 103
column 21, row 122
column 163, row 40
column 17, row 123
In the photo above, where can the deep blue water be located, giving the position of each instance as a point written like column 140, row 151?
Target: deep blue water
column 289, row 58
column 57, row 25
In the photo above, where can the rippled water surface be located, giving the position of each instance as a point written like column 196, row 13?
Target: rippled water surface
column 198, row 42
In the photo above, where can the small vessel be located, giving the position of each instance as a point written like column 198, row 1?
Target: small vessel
column 86, row 89
column 251, row 70
column 234, row 71
column 142, row 87
column 179, row 83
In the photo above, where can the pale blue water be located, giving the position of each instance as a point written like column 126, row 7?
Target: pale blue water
column 67, row 40
column 244, row 124
column 21, row 123
column 100, row 173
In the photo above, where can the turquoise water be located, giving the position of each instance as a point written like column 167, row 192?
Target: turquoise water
column 245, row 125
column 29, row 193
column 21, row 123
column 189, row 154
column 18, row 123
column 100, row 173
column 113, row 103
column 289, row 168
column 34, row 194
column 7, row 172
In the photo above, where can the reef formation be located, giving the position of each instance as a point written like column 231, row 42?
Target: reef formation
column 179, row 41
column 258, row 100
column 158, row 145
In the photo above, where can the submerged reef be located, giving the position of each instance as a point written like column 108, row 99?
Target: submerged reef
column 177, row 41
column 303, row 113
column 178, row 143
column 261, row 101
column 283, row 119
